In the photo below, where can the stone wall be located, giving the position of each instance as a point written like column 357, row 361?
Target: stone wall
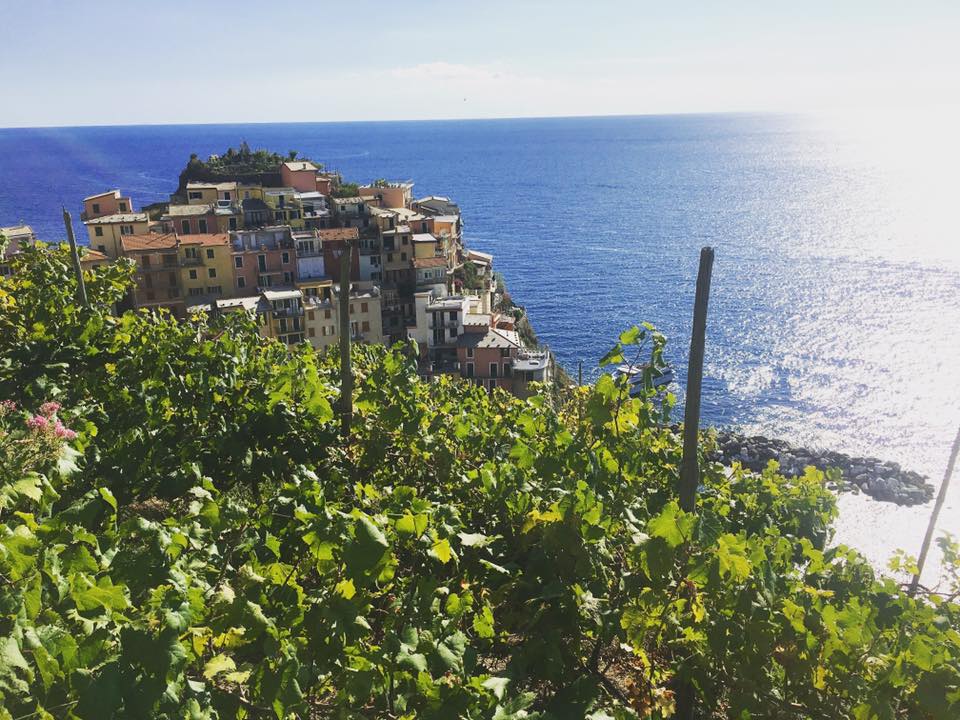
column 880, row 479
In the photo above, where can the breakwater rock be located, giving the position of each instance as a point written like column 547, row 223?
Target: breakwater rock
column 880, row 479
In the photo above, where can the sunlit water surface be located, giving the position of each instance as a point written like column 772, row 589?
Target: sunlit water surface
column 834, row 311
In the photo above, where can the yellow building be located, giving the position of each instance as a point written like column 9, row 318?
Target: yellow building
column 105, row 232
column 204, row 193
column 206, row 267
column 322, row 315
column 281, row 315
column 285, row 206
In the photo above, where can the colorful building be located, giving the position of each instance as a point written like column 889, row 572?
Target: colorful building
column 206, row 267
column 106, row 231
column 111, row 202
column 158, row 271
column 263, row 259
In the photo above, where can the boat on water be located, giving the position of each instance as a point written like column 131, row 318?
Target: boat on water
column 636, row 374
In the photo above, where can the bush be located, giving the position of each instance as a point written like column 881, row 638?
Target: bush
column 215, row 550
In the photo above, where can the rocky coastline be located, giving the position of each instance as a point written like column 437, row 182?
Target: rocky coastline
column 882, row 480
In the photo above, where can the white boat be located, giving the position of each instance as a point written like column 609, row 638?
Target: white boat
column 659, row 377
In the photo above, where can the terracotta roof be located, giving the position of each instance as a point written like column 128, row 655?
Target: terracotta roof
column 92, row 255
column 153, row 241
column 205, row 239
column 339, row 234
column 429, row 262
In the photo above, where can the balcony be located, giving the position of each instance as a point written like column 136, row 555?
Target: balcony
column 191, row 261
column 287, row 312
column 443, row 324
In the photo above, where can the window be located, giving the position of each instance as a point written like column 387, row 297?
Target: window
column 172, row 278
column 126, row 229
column 98, row 231
column 195, row 292
column 241, row 282
column 423, row 226
column 210, row 253
column 202, row 222
column 145, row 261
column 193, row 274
column 389, row 257
column 238, row 261
column 363, row 307
column 469, row 352
column 262, row 262
column 226, row 194
column 311, row 332
column 283, row 325
column 326, row 314
column 310, row 315
column 403, row 256
column 288, row 277
column 185, row 227
column 195, row 195
column 493, row 369
column 214, row 290
column 504, row 352
column 233, row 223
column 123, row 207
column 406, row 239
column 96, row 207
column 211, row 272
column 469, row 365
column 365, row 326
column 285, row 258
column 506, row 370
column 102, row 248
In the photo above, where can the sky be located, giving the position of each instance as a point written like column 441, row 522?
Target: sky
column 101, row 62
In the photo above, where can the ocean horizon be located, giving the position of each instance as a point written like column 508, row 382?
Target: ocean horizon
column 835, row 294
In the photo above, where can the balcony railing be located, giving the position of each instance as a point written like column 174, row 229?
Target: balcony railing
column 287, row 312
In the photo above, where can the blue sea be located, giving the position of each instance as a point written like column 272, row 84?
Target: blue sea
column 836, row 294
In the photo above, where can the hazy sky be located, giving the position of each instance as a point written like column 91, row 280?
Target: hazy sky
column 165, row 61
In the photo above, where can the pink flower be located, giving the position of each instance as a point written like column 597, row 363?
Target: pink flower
column 49, row 409
column 8, row 405
column 38, row 422
column 62, row 431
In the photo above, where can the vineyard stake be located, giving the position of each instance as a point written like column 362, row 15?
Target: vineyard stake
column 931, row 526
column 77, row 270
column 689, row 466
column 346, row 374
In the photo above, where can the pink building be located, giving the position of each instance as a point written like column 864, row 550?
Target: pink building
column 106, row 203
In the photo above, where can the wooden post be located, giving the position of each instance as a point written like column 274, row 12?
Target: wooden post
column 931, row 526
column 346, row 374
column 77, row 270
column 689, row 467
column 580, row 373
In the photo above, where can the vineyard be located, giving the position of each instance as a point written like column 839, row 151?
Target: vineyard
column 184, row 534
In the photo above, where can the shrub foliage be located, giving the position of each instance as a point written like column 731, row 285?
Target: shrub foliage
column 207, row 546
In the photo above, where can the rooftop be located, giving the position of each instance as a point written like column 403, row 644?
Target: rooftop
column 114, row 193
column 218, row 186
column 334, row 234
column 153, row 241
column 424, row 237
column 348, row 200
column 300, row 166
column 19, row 232
column 493, row 338
column 118, row 218
column 186, row 210
column 248, row 303
column 205, row 239
column 284, row 294
column 429, row 262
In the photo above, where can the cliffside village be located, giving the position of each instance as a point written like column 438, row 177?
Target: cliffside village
column 272, row 247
